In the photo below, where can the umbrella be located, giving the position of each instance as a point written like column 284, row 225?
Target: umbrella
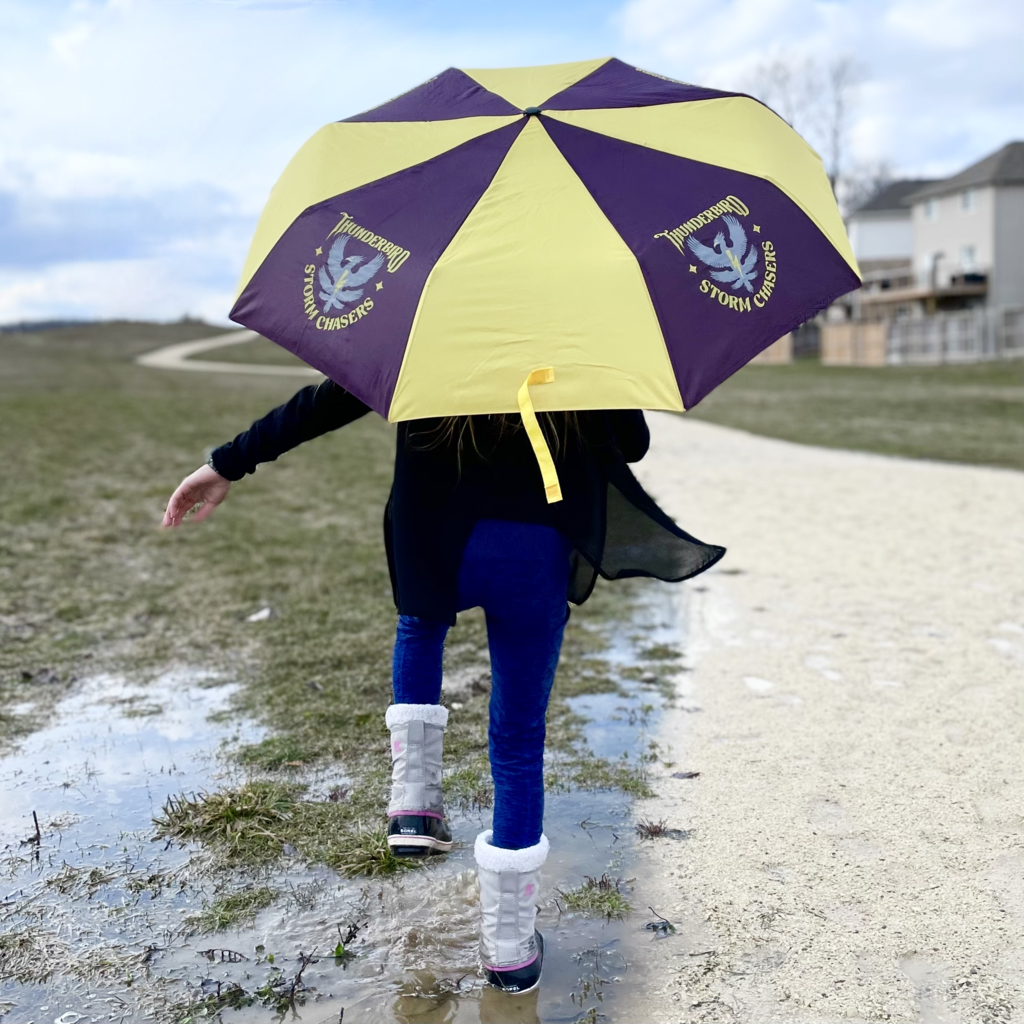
column 621, row 238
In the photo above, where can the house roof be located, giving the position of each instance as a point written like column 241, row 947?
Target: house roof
column 1003, row 167
column 889, row 198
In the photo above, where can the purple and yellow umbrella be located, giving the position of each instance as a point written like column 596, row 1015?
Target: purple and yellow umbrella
column 627, row 240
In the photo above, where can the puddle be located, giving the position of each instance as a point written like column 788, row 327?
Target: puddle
column 95, row 896
column 91, row 783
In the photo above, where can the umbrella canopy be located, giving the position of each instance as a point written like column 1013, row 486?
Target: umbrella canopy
column 628, row 240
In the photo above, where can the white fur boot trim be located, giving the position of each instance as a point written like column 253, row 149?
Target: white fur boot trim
column 417, row 750
column 493, row 858
column 403, row 714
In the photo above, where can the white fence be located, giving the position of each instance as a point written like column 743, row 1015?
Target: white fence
column 971, row 336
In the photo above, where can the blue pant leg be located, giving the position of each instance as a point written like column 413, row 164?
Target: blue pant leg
column 518, row 573
column 418, row 658
column 522, row 673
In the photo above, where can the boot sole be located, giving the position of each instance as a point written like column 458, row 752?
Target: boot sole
column 494, row 978
column 416, row 846
column 514, row 992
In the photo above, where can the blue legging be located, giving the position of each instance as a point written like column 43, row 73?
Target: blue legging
column 517, row 572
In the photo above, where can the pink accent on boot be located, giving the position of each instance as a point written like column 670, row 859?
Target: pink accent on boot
column 396, row 746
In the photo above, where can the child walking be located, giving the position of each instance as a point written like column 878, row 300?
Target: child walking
column 468, row 525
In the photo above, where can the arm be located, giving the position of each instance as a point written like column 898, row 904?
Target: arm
column 307, row 414
column 313, row 411
column 630, row 433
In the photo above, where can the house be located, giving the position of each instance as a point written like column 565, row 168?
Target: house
column 880, row 230
column 966, row 234
column 882, row 238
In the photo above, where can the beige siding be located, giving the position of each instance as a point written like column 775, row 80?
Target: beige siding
column 953, row 229
column 1007, row 288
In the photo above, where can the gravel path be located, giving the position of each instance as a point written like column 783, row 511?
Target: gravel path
column 179, row 357
column 856, row 847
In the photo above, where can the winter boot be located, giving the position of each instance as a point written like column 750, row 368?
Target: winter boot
column 511, row 949
column 416, row 825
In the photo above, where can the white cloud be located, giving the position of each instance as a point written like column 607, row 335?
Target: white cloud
column 949, row 25
column 114, row 112
column 943, row 78
column 37, row 230
column 193, row 281
column 129, row 103
column 167, row 93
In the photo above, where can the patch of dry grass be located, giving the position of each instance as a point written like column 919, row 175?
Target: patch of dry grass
column 599, row 896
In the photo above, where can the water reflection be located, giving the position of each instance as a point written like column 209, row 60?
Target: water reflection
column 95, row 886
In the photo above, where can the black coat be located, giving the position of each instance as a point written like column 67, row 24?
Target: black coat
column 446, row 479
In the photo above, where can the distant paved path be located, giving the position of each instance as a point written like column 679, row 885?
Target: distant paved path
column 177, row 357
column 856, row 658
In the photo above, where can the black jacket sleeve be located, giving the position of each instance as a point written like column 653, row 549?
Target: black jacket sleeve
column 307, row 414
column 629, row 429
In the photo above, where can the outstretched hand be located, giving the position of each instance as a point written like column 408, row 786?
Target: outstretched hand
column 205, row 487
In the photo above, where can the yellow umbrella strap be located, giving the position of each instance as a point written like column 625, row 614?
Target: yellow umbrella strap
column 536, row 435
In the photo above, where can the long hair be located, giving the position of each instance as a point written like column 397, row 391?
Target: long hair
column 560, row 430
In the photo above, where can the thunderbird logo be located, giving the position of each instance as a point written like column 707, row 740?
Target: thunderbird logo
column 738, row 265
column 340, row 281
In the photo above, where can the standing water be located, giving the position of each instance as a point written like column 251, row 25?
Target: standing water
column 99, row 923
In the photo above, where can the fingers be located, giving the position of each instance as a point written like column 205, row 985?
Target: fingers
column 184, row 498
column 172, row 514
column 205, row 488
column 205, row 510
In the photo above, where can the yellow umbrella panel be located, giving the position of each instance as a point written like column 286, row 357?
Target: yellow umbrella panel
column 641, row 237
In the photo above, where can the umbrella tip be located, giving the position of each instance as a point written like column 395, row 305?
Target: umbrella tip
column 531, row 110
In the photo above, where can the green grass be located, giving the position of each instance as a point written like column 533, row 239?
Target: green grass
column 601, row 897
column 970, row 413
column 230, row 909
column 93, row 447
column 250, row 823
column 260, row 823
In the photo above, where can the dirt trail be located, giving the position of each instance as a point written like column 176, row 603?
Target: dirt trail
column 179, row 356
column 856, row 853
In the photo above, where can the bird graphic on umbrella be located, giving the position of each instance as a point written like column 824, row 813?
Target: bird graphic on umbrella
column 719, row 254
column 340, row 280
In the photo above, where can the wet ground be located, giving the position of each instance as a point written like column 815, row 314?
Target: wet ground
column 100, row 922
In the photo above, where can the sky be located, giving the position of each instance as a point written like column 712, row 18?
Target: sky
column 139, row 138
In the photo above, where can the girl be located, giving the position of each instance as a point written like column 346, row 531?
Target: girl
column 468, row 524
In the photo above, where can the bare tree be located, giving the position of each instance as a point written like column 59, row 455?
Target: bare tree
column 842, row 77
column 859, row 182
column 786, row 85
column 816, row 99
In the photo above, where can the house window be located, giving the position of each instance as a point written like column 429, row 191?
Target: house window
column 968, row 258
column 931, row 209
column 969, row 200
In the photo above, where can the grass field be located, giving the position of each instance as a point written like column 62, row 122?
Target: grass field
column 970, row 413
column 94, row 445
